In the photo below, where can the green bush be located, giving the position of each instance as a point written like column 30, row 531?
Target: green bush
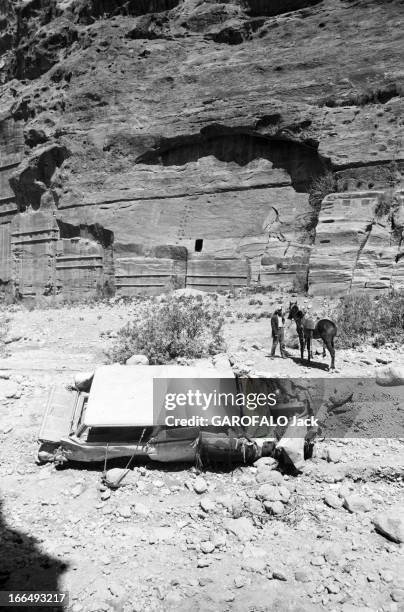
column 176, row 326
column 361, row 316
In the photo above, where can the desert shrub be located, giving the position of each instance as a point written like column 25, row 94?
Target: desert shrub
column 262, row 289
column 386, row 205
column 4, row 331
column 321, row 186
column 177, row 326
column 362, row 316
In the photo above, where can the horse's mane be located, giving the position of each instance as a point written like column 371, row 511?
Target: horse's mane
column 299, row 313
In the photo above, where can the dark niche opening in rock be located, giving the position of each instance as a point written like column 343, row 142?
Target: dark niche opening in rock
column 198, row 245
column 88, row 10
column 270, row 8
column 301, row 161
column 94, row 231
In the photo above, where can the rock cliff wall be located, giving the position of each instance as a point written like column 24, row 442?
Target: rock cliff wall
column 359, row 243
column 190, row 133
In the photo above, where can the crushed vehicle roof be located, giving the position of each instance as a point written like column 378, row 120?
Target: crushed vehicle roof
column 122, row 395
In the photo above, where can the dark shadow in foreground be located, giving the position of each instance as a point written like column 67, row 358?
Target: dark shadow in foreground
column 25, row 567
column 316, row 365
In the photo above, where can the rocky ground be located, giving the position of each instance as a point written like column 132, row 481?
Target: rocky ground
column 173, row 538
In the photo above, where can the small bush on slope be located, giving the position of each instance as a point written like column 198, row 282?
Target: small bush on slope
column 361, row 316
column 184, row 326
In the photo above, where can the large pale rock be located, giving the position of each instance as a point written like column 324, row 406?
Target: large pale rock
column 390, row 376
column 241, row 527
column 137, row 360
column 391, row 524
column 269, row 493
column 357, row 503
column 292, row 445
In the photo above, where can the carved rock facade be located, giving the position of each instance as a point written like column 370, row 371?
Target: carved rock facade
column 149, row 144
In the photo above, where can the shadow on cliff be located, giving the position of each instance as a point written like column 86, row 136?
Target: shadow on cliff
column 301, row 161
column 25, row 567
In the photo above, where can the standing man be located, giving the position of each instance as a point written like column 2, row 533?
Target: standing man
column 278, row 331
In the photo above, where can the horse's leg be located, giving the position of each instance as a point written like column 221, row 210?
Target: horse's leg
column 329, row 342
column 332, row 354
column 301, row 342
column 308, row 347
column 324, row 353
column 311, row 344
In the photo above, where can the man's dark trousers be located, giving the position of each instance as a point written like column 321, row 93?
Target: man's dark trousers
column 278, row 338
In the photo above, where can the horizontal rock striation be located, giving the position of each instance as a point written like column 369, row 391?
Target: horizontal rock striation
column 198, row 128
column 355, row 247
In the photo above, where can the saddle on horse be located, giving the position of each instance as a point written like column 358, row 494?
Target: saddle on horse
column 308, row 323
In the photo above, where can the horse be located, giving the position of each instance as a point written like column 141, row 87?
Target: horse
column 306, row 330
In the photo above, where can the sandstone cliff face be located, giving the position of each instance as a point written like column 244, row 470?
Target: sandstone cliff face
column 356, row 248
column 188, row 134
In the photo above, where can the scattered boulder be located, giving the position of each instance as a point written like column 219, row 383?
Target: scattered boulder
column 391, row 524
column 188, row 292
column 285, row 494
column 10, row 390
column 268, row 492
column 218, row 539
column 265, row 464
column 302, row 576
column 141, row 509
column 240, row 581
column 333, row 501
column 276, row 507
column 137, row 360
column 254, row 506
column 291, row 447
column 222, row 363
column 207, row 504
column 390, row 376
column 397, row 595
column 125, row 511
column 237, row 508
column 333, row 454
column 357, row 503
column 173, row 598
column 116, row 477
column 200, row 485
column 12, row 337
column 77, row 490
column 241, row 527
column 253, row 564
column 275, row 478
column 279, row 575
column 207, row 547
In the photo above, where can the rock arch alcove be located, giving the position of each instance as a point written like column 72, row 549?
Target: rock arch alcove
column 241, row 177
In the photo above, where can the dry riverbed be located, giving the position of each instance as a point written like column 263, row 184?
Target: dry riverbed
column 172, row 538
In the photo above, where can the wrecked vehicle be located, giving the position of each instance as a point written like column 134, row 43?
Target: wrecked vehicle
column 117, row 418
column 124, row 414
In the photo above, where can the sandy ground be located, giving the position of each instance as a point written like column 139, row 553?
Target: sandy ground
column 158, row 544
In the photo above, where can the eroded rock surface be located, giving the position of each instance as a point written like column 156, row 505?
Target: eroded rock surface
column 192, row 131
